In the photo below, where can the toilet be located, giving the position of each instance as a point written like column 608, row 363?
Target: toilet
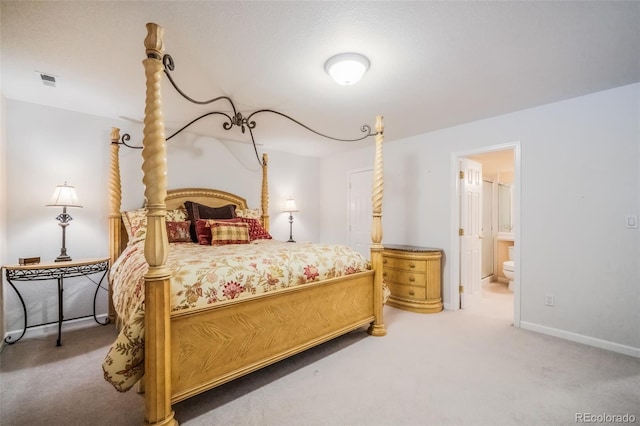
column 508, row 268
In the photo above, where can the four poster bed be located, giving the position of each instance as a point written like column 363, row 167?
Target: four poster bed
column 181, row 331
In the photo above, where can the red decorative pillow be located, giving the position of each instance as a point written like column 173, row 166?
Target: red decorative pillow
column 178, row 232
column 256, row 230
column 203, row 230
column 229, row 233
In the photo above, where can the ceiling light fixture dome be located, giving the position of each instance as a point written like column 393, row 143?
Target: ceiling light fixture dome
column 347, row 68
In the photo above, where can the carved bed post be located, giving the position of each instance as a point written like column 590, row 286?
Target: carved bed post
column 157, row 360
column 377, row 328
column 265, row 192
column 115, row 200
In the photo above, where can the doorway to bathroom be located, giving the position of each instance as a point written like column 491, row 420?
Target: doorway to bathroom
column 485, row 211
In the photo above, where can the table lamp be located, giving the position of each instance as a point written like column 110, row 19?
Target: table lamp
column 64, row 196
column 290, row 206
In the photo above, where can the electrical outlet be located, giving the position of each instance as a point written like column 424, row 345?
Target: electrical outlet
column 548, row 299
column 632, row 221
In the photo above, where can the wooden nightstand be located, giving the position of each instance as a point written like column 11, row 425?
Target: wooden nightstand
column 413, row 274
column 57, row 271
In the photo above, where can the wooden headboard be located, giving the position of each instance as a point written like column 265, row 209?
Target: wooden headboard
column 209, row 197
column 176, row 198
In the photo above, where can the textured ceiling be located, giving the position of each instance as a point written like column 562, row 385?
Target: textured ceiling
column 433, row 64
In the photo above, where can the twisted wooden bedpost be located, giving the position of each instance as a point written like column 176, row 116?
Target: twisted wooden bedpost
column 377, row 328
column 157, row 360
column 115, row 198
column 265, row 192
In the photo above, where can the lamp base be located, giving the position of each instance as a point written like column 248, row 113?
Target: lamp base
column 291, row 240
column 64, row 219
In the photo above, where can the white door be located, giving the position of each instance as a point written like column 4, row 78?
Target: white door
column 470, row 228
column 360, row 211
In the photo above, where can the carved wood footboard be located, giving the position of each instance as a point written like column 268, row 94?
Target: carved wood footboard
column 214, row 346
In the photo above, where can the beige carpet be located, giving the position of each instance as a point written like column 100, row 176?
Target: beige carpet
column 468, row 367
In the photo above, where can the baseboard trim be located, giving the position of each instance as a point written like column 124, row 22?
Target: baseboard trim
column 581, row 338
column 48, row 329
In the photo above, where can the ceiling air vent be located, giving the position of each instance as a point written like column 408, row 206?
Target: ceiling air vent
column 48, row 79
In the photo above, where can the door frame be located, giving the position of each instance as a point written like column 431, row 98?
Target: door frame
column 454, row 269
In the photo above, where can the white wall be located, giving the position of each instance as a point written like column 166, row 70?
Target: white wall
column 580, row 178
column 47, row 146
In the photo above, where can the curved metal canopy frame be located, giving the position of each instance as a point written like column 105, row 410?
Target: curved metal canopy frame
column 238, row 119
column 125, row 139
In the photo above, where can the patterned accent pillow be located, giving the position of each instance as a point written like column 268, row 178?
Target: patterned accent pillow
column 256, row 230
column 135, row 221
column 177, row 215
column 249, row 213
column 203, row 229
column 229, row 233
column 197, row 211
column 178, row 232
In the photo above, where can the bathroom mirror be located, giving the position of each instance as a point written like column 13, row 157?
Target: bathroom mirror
column 505, row 222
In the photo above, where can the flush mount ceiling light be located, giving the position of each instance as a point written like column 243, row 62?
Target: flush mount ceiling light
column 347, row 68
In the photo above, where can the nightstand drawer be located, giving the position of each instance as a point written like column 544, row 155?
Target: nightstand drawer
column 413, row 276
column 407, row 291
column 404, row 277
column 403, row 263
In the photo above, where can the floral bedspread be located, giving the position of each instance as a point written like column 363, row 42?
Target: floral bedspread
column 203, row 275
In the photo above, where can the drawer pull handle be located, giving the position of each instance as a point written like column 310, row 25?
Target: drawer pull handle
column 384, row 274
column 411, row 293
column 412, row 265
column 384, row 260
column 412, row 279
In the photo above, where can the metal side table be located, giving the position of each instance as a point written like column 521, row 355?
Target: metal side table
column 57, row 271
